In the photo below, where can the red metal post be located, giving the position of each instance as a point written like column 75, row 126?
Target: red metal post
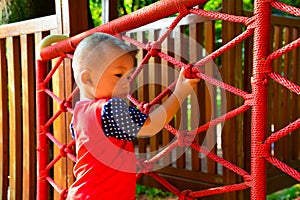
column 262, row 11
column 42, row 147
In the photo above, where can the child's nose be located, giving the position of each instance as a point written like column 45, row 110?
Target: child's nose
column 124, row 82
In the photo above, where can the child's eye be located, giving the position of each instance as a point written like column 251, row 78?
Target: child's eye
column 119, row 75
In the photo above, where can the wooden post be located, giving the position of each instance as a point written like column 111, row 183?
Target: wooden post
column 4, row 127
column 231, row 72
column 70, row 23
column 109, row 10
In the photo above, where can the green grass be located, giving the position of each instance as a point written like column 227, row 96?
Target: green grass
column 152, row 193
column 286, row 194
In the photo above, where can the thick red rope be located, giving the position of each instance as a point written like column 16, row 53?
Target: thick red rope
column 258, row 24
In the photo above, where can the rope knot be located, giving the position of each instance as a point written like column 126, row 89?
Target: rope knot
column 64, row 105
column 41, row 87
column 249, row 99
column 248, row 180
column 184, row 138
column 43, row 174
column 42, row 130
column 251, row 22
column 153, row 48
column 144, row 107
column 260, row 79
column 145, row 165
column 63, row 195
column 182, row 9
column 62, row 151
column 190, row 72
column 185, row 195
column 261, row 150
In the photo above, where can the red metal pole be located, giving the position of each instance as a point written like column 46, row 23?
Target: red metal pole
column 42, row 147
column 262, row 11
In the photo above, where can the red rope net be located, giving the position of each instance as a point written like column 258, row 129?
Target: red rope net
column 260, row 147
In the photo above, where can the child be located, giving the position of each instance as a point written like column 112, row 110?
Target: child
column 103, row 124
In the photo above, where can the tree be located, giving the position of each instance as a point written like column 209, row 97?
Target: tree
column 124, row 7
column 17, row 10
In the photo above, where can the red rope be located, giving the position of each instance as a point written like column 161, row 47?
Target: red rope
column 220, row 160
column 286, row 8
column 285, row 168
column 285, row 49
column 219, row 16
column 219, row 190
column 259, row 24
column 285, row 82
column 283, row 132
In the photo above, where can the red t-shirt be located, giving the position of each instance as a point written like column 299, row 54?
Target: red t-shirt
column 106, row 163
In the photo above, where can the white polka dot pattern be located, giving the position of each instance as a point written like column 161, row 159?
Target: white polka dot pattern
column 120, row 120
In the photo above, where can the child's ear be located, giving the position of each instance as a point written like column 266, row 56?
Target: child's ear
column 86, row 77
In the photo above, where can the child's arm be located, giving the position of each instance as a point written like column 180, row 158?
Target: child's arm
column 163, row 114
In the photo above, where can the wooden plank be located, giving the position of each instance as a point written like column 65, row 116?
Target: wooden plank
column 295, row 98
column 152, row 73
column 276, row 176
column 28, row 110
column 4, row 129
column 166, row 80
column 59, row 126
column 210, row 96
column 271, row 90
column 278, row 146
column 69, row 87
column 142, row 142
column 248, row 63
column 15, row 117
column 166, row 22
column 231, row 71
column 71, row 22
column 180, row 120
column 28, row 26
column 196, row 50
column 109, row 10
column 286, row 97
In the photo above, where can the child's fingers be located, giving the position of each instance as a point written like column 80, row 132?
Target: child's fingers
column 193, row 81
column 181, row 74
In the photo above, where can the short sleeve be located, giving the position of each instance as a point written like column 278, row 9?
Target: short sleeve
column 120, row 120
column 72, row 130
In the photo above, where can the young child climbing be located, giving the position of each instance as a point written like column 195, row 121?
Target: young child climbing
column 104, row 126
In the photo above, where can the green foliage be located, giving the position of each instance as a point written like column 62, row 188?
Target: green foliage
column 14, row 11
column 286, row 194
column 125, row 7
column 151, row 193
column 213, row 5
column 96, row 11
column 18, row 10
column 248, row 5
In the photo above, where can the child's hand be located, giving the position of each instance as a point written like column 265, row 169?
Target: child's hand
column 163, row 114
column 184, row 86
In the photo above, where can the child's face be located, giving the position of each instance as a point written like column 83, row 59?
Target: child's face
column 114, row 81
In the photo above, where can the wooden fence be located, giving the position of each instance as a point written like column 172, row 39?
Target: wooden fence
column 18, row 42
column 17, row 102
column 190, row 172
